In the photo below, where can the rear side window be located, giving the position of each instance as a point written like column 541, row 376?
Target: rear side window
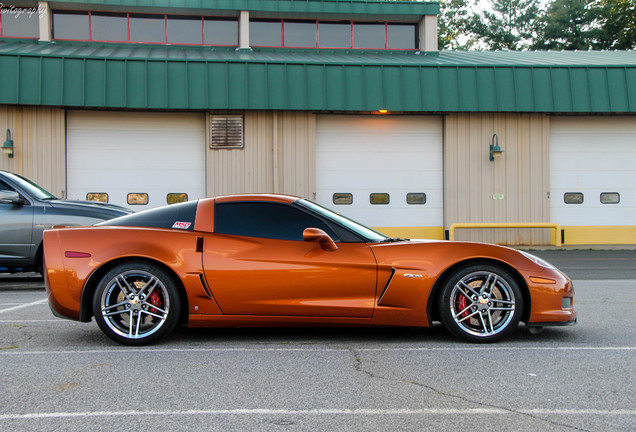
column 265, row 220
column 178, row 216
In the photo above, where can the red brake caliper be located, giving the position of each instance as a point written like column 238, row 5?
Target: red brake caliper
column 461, row 305
column 155, row 301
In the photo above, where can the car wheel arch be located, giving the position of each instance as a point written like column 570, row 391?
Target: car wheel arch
column 86, row 302
column 436, row 291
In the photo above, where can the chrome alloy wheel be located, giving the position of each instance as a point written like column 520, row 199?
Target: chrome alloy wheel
column 135, row 304
column 482, row 304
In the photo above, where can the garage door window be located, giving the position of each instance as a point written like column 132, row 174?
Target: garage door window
column 379, row 198
column 174, row 198
column 610, row 198
column 416, row 198
column 97, row 196
column 573, row 198
column 342, row 199
column 137, row 198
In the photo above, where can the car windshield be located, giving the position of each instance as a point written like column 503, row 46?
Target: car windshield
column 368, row 234
column 33, row 189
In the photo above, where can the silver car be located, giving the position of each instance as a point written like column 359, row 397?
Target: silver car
column 26, row 210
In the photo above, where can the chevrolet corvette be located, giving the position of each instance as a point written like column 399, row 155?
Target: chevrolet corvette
column 277, row 260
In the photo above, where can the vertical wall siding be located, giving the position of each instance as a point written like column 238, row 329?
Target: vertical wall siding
column 521, row 175
column 279, row 157
column 40, row 145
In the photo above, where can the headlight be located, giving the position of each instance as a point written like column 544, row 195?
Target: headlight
column 537, row 260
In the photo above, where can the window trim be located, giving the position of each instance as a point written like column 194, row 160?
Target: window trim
column 135, row 14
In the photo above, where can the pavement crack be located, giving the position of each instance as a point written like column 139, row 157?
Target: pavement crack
column 359, row 367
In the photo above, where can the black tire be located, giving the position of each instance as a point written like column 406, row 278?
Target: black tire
column 136, row 303
column 481, row 303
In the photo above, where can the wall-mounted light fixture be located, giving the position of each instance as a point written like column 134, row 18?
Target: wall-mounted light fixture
column 7, row 147
column 495, row 150
column 380, row 112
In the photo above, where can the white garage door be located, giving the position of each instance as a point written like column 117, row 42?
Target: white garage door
column 394, row 157
column 133, row 156
column 592, row 171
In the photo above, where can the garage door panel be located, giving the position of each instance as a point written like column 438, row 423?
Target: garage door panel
column 371, row 154
column 129, row 152
column 592, row 156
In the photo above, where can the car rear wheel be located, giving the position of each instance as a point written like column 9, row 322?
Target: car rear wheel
column 481, row 303
column 136, row 303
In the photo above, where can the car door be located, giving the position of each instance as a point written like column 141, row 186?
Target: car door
column 256, row 263
column 16, row 231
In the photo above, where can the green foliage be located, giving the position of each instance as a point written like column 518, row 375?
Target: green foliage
column 454, row 25
column 520, row 24
column 510, row 24
column 568, row 25
column 617, row 24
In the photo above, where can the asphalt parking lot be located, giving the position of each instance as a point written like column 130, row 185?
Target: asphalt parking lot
column 61, row 375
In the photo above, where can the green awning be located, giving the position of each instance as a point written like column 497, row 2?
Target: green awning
column 167, row 77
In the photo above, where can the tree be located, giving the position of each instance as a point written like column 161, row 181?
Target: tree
column 511, row 24
column 617, row 24
column 453, row 25
column 568, row 25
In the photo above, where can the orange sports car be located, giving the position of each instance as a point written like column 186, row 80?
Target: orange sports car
column 276, row 260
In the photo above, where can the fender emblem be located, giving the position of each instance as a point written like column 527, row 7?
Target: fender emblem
column 411, row 275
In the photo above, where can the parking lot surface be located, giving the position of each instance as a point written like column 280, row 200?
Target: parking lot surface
column 62, row 375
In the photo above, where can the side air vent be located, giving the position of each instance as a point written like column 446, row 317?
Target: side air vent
column 226, row 131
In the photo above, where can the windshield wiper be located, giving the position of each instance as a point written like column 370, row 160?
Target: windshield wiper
column 393, row 240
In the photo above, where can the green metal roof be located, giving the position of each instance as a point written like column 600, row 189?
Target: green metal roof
column 165, row 77
column 336, row 9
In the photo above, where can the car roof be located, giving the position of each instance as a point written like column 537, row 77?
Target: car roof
column 257, row 197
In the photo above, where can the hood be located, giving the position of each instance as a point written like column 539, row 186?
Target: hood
column 91, row 208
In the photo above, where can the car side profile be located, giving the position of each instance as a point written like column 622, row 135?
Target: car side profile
column 27, row 209
column 277, row 260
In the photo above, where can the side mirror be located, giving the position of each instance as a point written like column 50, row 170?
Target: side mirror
column 10, row 197
column 318, row 235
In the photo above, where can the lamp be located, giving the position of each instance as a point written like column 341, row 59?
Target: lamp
column 495, row 150
column 7, row 147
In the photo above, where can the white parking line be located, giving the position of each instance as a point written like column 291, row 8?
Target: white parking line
column 324, row 411
column 22, row 306
column 22, row 321
column 307, row 349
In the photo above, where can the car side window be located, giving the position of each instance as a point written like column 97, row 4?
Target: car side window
column 265, row 220
column 6, row 187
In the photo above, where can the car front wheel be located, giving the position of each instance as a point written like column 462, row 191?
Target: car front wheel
column 136, row 303
column 481, row 303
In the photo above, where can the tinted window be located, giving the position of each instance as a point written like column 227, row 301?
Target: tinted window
column 185, row 30
column 178, row 216
column 18, row 22
column 109, row 27
column 70, row 25
column 300, row 34
column 5, row 187
column 265, row 220
column 334, row 35
column 221, row 32
column 266, row 33
column 401, row 36
column 147, row 28
column 369, row 35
